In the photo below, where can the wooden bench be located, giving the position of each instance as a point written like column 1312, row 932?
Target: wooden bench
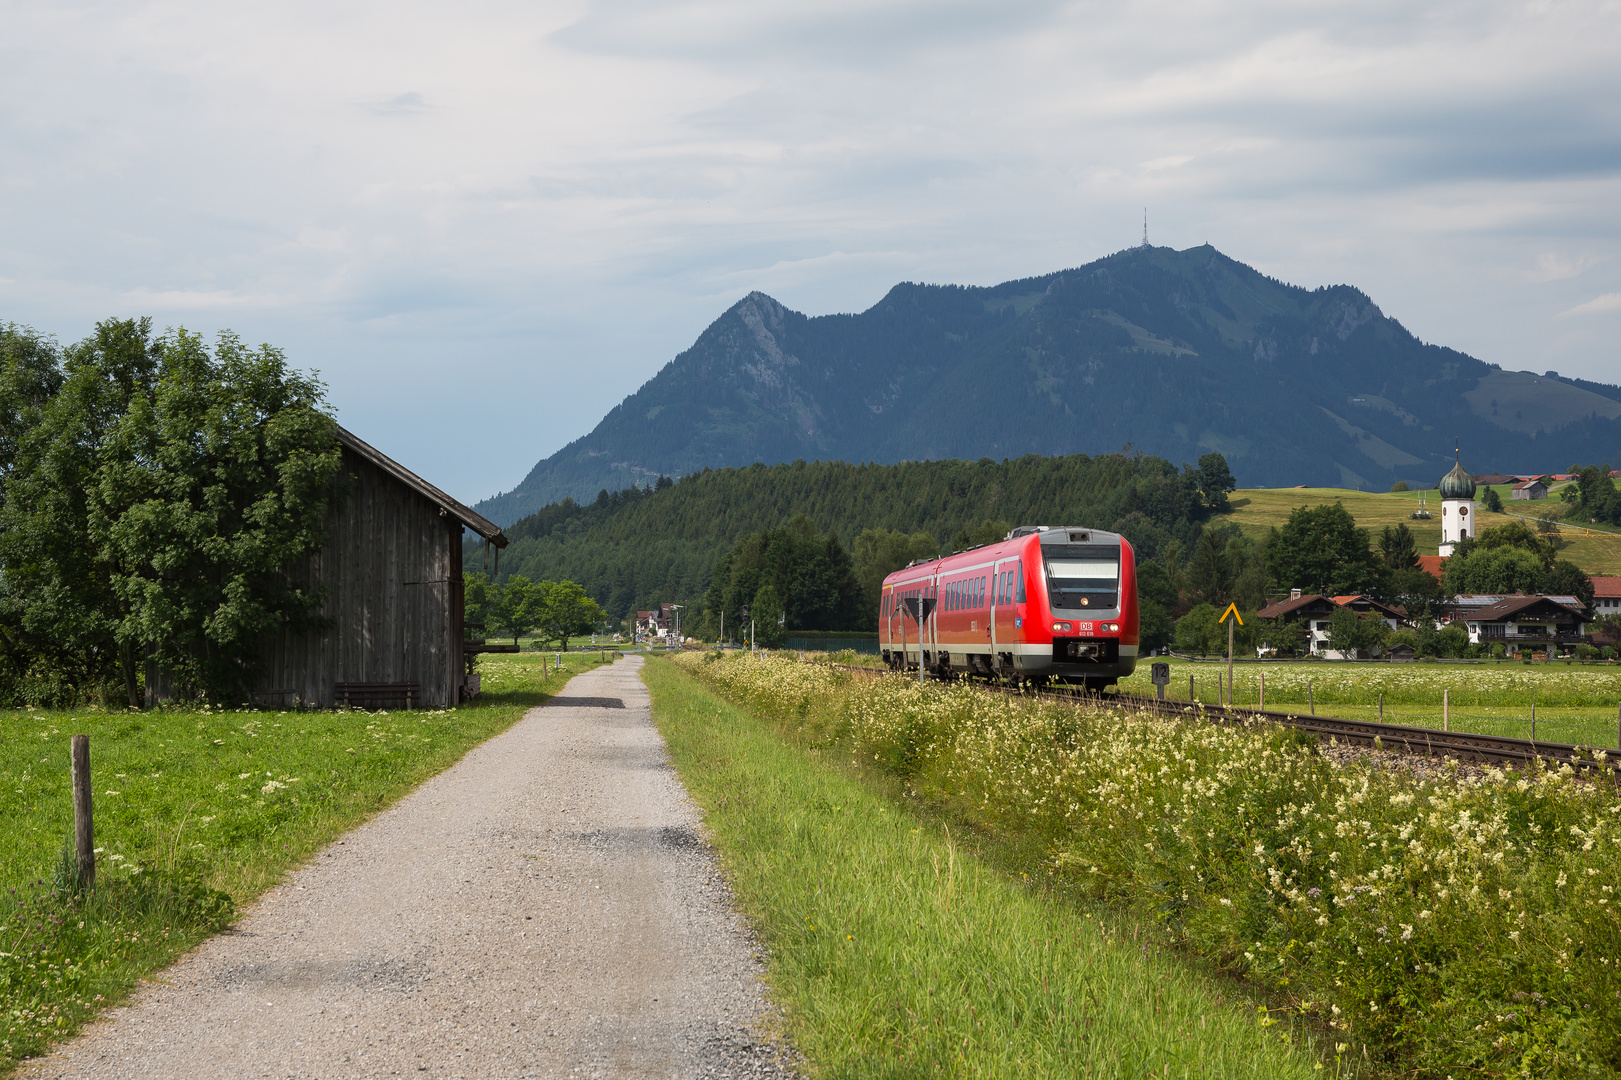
column 377, row 695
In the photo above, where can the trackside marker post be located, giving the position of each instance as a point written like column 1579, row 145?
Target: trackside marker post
column 1230, row 613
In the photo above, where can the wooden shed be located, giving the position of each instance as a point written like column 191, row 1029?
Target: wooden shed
column 391, row 575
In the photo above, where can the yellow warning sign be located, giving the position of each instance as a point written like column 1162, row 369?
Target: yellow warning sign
column 1232, row 609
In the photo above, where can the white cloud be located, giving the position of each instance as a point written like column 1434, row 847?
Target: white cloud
column 1553, row 266
column 1599, row 305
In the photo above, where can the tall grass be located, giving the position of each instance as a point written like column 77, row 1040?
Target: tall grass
column 1460, row 925
column 895, row 953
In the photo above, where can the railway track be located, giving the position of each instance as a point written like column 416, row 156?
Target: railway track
column 1424, row 742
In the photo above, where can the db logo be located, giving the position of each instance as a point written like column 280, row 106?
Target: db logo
column 1086, row 628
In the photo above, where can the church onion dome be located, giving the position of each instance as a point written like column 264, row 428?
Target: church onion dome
column 1457, row 484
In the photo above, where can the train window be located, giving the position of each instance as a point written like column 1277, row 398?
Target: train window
column 1018, row 582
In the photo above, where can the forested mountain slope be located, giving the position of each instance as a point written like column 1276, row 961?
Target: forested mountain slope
column 639, row 547
column 1174, row 352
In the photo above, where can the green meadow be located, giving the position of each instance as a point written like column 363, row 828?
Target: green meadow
column 1574, row 702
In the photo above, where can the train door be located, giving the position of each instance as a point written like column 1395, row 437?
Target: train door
column 1004, row 589
column 991, row 609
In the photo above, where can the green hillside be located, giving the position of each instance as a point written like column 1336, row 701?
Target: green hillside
column 1256, row 510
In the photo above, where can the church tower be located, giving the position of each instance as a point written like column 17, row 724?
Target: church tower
column 1457, row 491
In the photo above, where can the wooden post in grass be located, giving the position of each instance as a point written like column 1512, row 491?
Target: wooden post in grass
column 1533, row 721
column 542, row 665
column 1192, row 699
column 84, row 830
column 1311, row 699
column 1263, row 691
column 1446, row 710
column 1381, row 708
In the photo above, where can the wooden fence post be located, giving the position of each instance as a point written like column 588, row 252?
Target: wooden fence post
column 1381, row 708
column 84, row 830
column 1446, row 709
column 1533, row 721
column 1192, row 699
column 1263, row 691
column 1311, row 699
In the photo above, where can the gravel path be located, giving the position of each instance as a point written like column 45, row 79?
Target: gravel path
column 545, row 908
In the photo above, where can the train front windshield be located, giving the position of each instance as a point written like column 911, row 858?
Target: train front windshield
column 1082, row 576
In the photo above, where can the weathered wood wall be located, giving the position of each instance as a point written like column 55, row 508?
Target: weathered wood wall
column 392, row 575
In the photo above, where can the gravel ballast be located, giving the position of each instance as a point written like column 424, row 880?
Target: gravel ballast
column 545, row 908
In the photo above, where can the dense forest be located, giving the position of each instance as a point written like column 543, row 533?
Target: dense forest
column 638, row 547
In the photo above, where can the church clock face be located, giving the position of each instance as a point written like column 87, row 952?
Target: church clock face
column 1463, row 511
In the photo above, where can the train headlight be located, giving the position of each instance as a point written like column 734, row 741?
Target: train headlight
column 1111, row 627
column 1060, row 627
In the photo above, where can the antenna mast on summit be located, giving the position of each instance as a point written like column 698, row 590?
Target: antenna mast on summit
column 1145, row 226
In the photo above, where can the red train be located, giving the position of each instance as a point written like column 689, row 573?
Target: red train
column 1045, row 604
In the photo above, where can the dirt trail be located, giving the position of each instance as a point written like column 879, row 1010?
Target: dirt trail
column 543, row 909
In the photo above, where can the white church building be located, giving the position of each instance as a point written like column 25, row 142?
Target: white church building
column 1458, row 510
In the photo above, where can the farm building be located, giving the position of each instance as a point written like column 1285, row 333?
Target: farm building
column 1529, row 490
column 391, row 574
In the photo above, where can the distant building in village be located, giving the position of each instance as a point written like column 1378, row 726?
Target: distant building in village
column 1606, row 596
column 657, row 624
column 1522, row 622
column 1529, row 489
column 1316, row 612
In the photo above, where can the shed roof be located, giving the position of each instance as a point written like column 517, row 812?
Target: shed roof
column 477, row 522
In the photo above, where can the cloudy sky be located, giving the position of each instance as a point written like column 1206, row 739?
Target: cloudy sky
column 485, row 223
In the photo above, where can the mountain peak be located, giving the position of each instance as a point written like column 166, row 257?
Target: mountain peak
column 1175, row 352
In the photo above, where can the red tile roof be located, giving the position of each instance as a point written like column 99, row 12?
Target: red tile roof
column 1607, row 587
column 1434, row 565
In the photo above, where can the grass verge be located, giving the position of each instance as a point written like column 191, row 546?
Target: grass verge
column 896, row 953
column 196, row 813
column 1440, row 924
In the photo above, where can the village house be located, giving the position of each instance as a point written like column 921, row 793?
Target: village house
column 1606, row 596
column 1523, row 623
column 657, row 624
column 1316, row 612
